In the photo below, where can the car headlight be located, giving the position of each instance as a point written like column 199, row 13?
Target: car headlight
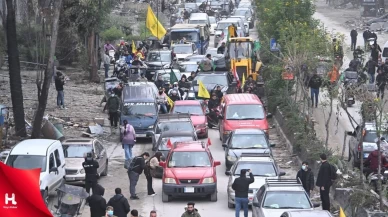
column 231, row 158
column 82, row 171
column 151, row 127
column 166, row 66
column 169, row 181
column 191, row 95
column 208, row 180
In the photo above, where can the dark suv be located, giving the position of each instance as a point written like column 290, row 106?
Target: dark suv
column 156, row 60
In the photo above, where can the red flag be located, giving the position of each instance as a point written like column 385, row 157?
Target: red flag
column 22, row 192
column 169, row 144
column 209, row 142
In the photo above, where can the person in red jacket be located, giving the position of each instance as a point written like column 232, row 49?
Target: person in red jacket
column 373, row 162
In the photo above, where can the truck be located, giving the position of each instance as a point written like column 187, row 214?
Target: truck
column 199, row 34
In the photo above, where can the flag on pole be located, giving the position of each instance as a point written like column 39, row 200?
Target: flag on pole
column 169, row 144
column 243, row 80
column 202, row 91
column 173, row 77
column 153, row 24
column 341, row 213
column 133, row 47
column 170, row 102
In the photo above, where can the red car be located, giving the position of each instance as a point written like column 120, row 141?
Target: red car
column 189, row 170
column 197, row 113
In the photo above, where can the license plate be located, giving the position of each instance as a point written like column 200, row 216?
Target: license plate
column 71, row 179
column 351, row 99
column 152, row 73
column 189, row 189
column 141, row 135
column 366, row 155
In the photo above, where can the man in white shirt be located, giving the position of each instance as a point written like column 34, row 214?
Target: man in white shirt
column 106, row 63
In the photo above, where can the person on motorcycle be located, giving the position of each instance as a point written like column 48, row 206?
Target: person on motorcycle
column 213, row 104
column 137, row 62
column 175, row 87
column 249, row 83
column 139, row 53
column 218, row 93
column 161, row 99
column 128, row 58
column 160, row 82
column 142, row 77
column 192, row 76
column 358, row 52
column 373, row 162
column 338, row 50
column 174, row 95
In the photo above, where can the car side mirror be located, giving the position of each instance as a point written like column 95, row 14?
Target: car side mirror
column 224, row 145
column 269, row 115
column 255, row 204
column 228, row 173
column 149, row 134
column 272, row 145
column 217, row 163
column 315, row 205
column 162, row 164
column 54, row 169
column 282, row 173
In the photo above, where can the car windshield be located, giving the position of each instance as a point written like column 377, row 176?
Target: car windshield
column 163, row 144
column 190, row 6
column 182, row 49
column 241, row 50
column 76, row 151
column 240, row 13
column 257, row 168
column 213, row 79
column 166, row 75
column 191, row 109
column 139, row 108
column 212, row 52
column 212, row 20
column 174, row 126
column 248, row 141
column 286, row 200
column 189, row 35
column 197, row 22
column 245, row 112
column 195, row 58
column 27, row 162
column 370, row 136
column 222, row 26
column 188, row 67
column 159, row 56
column 189, row 159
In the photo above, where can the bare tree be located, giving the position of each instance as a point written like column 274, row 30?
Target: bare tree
column 14, row 70
column 48, row 73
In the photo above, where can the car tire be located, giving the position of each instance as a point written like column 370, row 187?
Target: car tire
column 165, row 197
column 213, row 197
column 105, row 172
column 46, row 197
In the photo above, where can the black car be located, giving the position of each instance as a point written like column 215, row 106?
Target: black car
column 211, row 80
column 245, row 141
column 156, row 60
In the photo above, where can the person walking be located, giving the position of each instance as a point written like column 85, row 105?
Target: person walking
column 324, row 181
column 381, row 81
column 353, row 36
column 106, row 63
column 97, row 203
column 59, row 83
column 190, row 211
column 129, row 139
column 241, row 188
column 366, row 35
column 90, row 167
column 370, row 67
column 136, row 168
column 375, row 52
column 119, row 204
column 150, row 171
column 314, row 84
column 113, row 105
column 306, row 176
column 109, row 212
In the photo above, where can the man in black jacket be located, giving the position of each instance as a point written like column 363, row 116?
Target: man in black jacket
column 324, row 182
column 97, row 203
column 160, row 82
column 381, row 81
column 353, row 36
column 136, row 168
column 241, row 188
column 90, row 166
column 59, row 82
column 370, row 67
column 120, row 204
column 306, row 176
column 314, row 84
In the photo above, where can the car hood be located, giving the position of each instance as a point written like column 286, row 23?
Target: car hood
column 191, row 172
column 278, row 212
column 182, row 55
column 198, row 119
column 154, row 64
column 369, row 146
column 140, row 121
column 74, row 163
column 241, row 124
column 237, row 152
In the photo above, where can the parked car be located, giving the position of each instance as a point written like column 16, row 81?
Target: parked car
column 44, row 154
column 189, row 170
column 242, row 141
column 262, row 166
column 75, row 150
column 307, row 213
column 197, row 112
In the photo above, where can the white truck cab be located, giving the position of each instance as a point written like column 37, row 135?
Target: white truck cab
column 45, row 154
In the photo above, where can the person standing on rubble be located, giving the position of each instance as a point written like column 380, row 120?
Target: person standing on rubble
column 59, row 82
column 113, row 105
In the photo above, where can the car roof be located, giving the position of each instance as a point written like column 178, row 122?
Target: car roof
column 183, row 45
column 242, row 99
column 187, row 102
column 190, row 146
column 309, row 213
column 138, row 93
column 283, row 185
column 76, row 141
column 248, row 131
column 32, row 147
column 176, row 134
column 174, row 117
column 256, row 159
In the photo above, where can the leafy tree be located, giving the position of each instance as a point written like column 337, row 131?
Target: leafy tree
column 112, row 34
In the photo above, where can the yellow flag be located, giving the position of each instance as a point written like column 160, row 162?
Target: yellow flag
column 341, row 213
column 133, row 47
column 153, row 24
column 170, row 102
column 202, row 91
column 243, row 80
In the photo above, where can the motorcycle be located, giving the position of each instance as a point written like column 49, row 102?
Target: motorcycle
column 373, row 179
column 212, row 120
column 350, row 80
column 120, row 66
column 370, row 42
column 112, row 56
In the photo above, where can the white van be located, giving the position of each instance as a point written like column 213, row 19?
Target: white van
column 384, row 55
column 45, row 154
column 199, row 18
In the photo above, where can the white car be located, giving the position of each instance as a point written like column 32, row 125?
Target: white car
column 213, row 25
column 182, row 51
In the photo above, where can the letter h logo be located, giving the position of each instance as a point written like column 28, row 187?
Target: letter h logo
column 10, row 199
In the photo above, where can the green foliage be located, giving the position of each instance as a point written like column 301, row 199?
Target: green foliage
column 112, row 34
column 32, row 43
